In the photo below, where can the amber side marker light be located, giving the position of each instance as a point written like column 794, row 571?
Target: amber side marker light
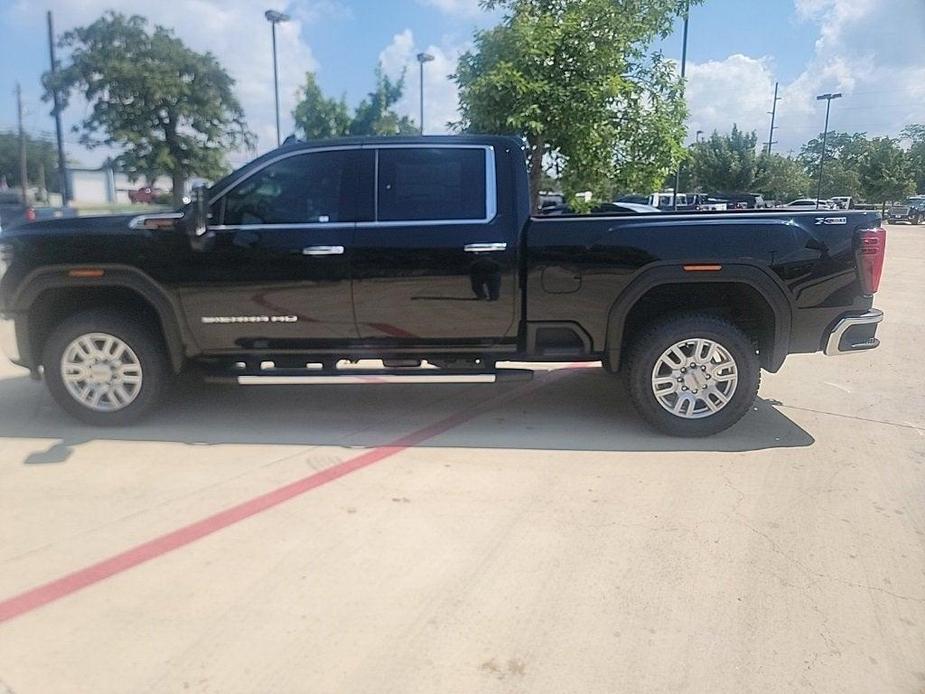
column 88, row 273
column 702, row 268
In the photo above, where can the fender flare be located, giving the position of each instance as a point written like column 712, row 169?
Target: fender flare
column 177, row 335
column 767, row 286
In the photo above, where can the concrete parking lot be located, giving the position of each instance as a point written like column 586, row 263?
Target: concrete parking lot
column 518, row 538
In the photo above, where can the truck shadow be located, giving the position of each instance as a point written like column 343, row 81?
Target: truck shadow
column 579, row 410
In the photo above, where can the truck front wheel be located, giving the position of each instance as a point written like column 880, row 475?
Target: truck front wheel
column 105, row 368
column 693, row 375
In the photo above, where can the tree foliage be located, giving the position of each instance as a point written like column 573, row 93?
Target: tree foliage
column 170, row 109
column 884, row 171
column 727, row 163
column 915, row 134
column 40, row 154
column 316, row 116
column 320, row 117
column 843, row 153
column 781, row 178
column 576, row 79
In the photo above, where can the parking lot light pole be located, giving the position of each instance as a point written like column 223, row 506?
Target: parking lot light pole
column 677, row 174
column 423, row 58
column 828, row 98
column 274, row 18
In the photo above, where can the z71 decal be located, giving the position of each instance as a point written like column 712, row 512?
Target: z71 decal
column 831, row 220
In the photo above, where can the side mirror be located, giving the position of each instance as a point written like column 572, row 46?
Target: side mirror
column 200, row 210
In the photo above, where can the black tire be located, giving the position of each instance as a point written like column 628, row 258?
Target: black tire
column 648, row 347
column 141, row 338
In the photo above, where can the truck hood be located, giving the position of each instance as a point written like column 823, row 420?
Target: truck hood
column 72, row 225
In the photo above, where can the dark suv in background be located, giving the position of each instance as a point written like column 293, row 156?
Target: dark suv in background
column 911, row 210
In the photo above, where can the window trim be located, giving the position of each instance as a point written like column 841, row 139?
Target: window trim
column 491, row 190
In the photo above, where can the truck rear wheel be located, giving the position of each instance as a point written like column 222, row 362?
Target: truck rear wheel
column 693, row 375
column 104, row 368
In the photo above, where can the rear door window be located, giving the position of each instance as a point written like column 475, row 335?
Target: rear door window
column 432, row 184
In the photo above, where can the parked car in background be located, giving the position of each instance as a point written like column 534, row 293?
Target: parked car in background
column 611, row 208
column 635, row 199
column 12, row 209
column 145, row 195
column 742, row 201
column 805, row 204
column 666, row 201
column 911, row 211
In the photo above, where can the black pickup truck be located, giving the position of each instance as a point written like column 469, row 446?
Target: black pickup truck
column 422, row 253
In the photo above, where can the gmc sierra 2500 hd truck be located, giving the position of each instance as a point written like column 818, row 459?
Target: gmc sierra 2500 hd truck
column 413, row 250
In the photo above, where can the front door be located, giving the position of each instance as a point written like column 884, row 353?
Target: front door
column 438, row 263
column 274, row 269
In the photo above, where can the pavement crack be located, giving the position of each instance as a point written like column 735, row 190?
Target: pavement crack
column 818, row 574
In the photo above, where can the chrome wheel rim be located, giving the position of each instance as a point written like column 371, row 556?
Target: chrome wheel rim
column 694, row 378
column 101, row 372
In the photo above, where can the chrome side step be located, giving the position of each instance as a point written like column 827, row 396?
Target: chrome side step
column 357, row 380
column 280, row 377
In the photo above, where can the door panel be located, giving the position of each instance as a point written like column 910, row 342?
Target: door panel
column 275, row 271
column 439, row 264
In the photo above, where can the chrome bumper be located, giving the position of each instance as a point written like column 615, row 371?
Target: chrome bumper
column 840, row 340
column 8, row 338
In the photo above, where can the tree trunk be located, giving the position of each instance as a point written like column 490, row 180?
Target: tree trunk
column 178, row 188
column 537, row 147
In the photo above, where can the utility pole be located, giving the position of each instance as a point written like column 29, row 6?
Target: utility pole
column 423, row 58
column 828, row 98
column 677, row 174
column 773, row 113
column 62, row 162
column 23, row 170
column 274, row 18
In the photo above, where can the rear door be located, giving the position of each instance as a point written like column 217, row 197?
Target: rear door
column 438, row 264
column 273, row 271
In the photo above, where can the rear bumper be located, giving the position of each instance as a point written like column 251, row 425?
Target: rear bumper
column 854, row 333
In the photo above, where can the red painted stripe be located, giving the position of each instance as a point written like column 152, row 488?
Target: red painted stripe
column 71, row 583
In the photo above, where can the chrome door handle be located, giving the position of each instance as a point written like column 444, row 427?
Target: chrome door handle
column 485, row 247
column 323, row 250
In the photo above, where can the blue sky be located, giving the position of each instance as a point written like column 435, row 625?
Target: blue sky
column 737, row 49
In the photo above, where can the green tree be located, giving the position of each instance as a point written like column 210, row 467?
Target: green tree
column 170, row 110
column 376, row 115
column 40, row 154
column 884, row 171
column 844, row 152
column 725, row 163
column 782, row 178
column 577, row 80
column 318, row 117
column 915, row 134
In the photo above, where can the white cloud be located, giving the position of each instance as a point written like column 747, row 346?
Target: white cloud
column 463, row 8
column 866, row 49
column 736, row 90
column 441, row 99
column 234, row 30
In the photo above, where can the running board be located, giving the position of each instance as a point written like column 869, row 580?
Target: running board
column 281, row 377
